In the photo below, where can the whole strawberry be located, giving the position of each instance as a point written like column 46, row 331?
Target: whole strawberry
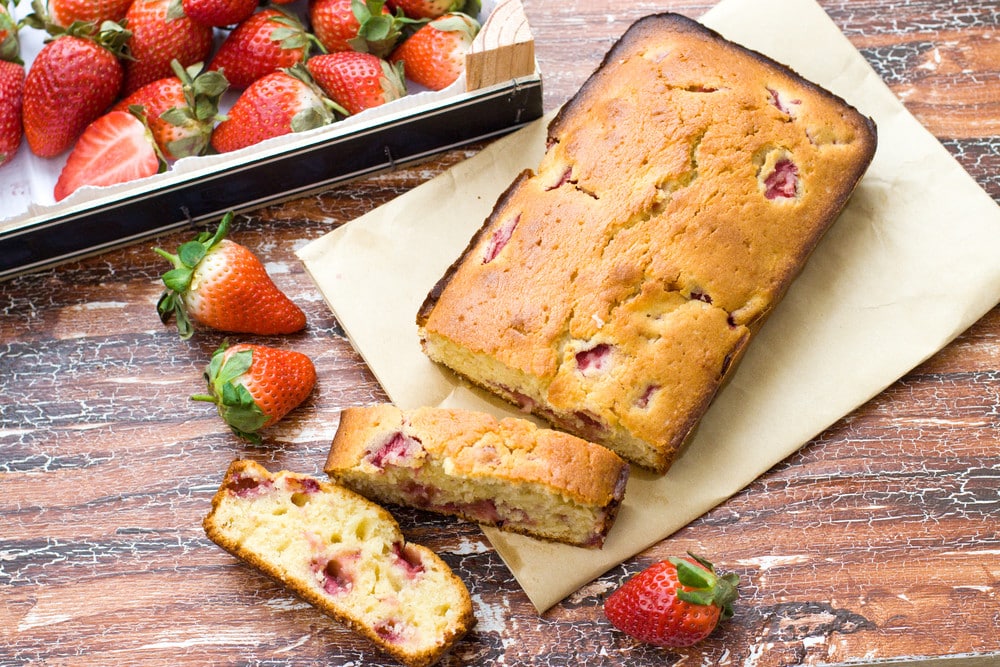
column 222, row 285
column 434, row 56
column 432, row 9
column 356, row 25
column 162, row 33
column 219, row 13
column 115, row 148
column 74, row 78
column 180, row 110
column 357, row 81
column 277, row 104
column 255, row 386
column 65, row 12
column 11, row 98
column 674, row 603
column 266, row 42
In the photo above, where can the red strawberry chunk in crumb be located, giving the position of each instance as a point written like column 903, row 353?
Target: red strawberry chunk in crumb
column 391, row 630
column 408, row 559
column 498, row 241
column 783, row 182
column 594, row 359
column 647, row 395
column 398, row 450
column 782, row 104
column 248, row 487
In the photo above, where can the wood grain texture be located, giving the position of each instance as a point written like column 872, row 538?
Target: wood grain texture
column 877, row 541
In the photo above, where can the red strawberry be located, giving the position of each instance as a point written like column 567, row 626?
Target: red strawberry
column 11, row 98
column 65, row 12
column 356, row 25
column 115, row 148
column 676, row 602
column 221, row 284
column 74, row 79
column 161, row 33
column 277, row 104
column 219, row 13
column 357, row 81
column 434, row 56
column 255, row 386
column 181, row 110
column 432, row 9
column 266, row 42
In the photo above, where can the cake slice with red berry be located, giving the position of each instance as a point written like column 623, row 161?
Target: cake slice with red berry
column 344, row 555
column 506, row 473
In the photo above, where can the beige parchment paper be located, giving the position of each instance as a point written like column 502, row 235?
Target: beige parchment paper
column 913, row 261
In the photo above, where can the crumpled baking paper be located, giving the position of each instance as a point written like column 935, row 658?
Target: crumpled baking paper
column 911, row 263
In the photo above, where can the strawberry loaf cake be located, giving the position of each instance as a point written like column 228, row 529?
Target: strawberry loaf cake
column 506, row 473
column 344, row 555
column 613, row 290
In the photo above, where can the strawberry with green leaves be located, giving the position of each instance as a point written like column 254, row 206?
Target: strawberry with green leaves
column 674, row 603
column 219, row 13
column 76, row 77
column 266, row 42
column 278, row 104
column 220, row 284
column 434, row 56
column 432, row 9
column 255, row 386
column 357, row 81
column 181, row 110
column 162, row 33
column 115, row 148
column 356, row 25
column 10, row 43
column 66, row 12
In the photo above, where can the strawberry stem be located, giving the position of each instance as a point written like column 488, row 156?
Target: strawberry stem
column 702, row 585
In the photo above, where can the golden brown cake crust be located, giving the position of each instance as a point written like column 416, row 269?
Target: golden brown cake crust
column 227, row 526
column 382, row 450
column 615, row 289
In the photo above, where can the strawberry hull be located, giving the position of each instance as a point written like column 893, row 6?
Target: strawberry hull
column 201, row 189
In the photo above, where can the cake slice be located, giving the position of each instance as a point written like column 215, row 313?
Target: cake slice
column 613, row 290
column 506, row 473
column 345, row 555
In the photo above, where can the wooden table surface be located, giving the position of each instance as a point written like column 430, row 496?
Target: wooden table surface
column 878, row 541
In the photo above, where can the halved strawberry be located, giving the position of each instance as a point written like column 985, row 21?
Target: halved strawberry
column 115, row 148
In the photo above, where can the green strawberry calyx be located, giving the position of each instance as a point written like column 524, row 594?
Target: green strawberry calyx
column 235, row 403
column 178, row 279
column 702, row 585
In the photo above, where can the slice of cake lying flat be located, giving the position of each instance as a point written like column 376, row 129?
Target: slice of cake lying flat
column 506, row 473
column 613, row 290
column 346, row 556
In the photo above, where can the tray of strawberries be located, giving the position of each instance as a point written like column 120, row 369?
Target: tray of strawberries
column 123, row 119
